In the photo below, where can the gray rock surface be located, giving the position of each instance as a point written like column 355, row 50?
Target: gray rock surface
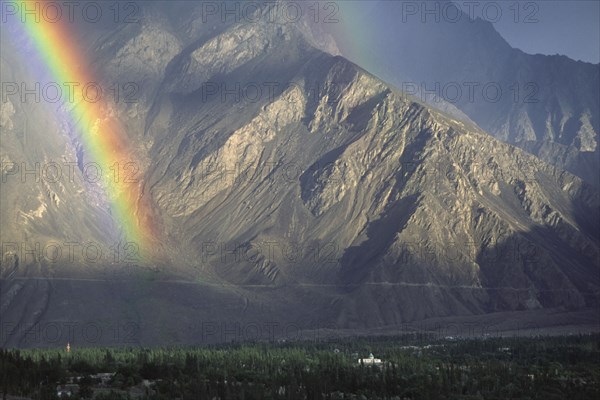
column 331, row 200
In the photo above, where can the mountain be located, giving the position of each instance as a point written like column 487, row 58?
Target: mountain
column 547, row 105
column 295, row 192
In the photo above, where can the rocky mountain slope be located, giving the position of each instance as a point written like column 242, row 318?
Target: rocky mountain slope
column 294, row 190
column 547, row 105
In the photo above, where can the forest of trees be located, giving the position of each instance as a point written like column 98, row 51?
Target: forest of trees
column 413, row 367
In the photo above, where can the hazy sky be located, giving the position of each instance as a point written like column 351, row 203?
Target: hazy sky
column 571, row 28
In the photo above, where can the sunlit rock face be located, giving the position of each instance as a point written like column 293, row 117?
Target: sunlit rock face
column 547, row 105
column 291, row 187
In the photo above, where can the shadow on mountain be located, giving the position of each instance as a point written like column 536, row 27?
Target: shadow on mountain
column 537, row 269
column 357, row 261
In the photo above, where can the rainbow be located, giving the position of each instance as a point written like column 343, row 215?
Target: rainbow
column 102, row 136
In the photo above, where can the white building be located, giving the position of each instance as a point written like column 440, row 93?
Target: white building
column 370, row 361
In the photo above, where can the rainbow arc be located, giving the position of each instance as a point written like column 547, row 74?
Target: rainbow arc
column 102, row 135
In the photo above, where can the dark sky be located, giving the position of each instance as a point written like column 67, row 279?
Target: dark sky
column 565, row 27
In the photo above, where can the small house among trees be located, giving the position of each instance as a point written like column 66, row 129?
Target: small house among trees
column 370, row 361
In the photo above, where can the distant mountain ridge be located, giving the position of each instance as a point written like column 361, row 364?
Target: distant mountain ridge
column 548, row 105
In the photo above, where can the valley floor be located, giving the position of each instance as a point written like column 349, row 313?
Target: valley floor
column 418, row 366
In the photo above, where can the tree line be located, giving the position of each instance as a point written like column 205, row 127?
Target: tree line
column 412, row 367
